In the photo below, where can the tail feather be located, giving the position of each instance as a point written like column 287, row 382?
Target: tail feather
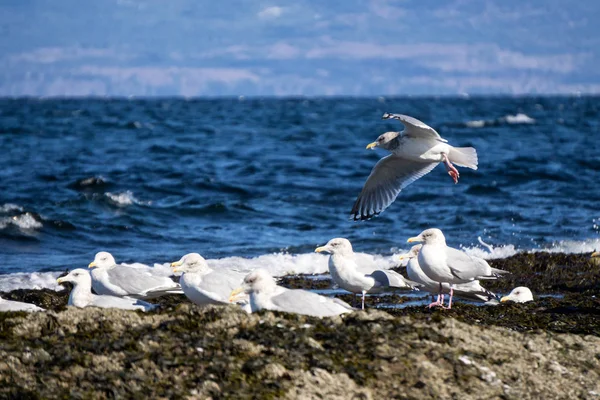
column 463, row 157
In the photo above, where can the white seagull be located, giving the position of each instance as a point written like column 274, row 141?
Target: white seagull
column 81, row 296
column 415, row 152
column 266, row 295
column 344, row 272
column 112, row 279
column 444, row 264
column 203, row 285
column 11, row 305
column 519, row 294
column 469, row 291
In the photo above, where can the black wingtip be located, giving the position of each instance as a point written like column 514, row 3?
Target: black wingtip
column 386, row 116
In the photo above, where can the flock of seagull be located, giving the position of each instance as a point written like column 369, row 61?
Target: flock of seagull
column 432, row 266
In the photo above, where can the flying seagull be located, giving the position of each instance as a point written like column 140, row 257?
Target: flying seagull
column 415, row 152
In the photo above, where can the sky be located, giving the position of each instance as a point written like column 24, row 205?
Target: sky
column 282, row 48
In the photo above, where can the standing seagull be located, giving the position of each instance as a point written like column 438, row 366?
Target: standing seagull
column 470, row 291
column 415, row 152
column 344, row 272
column 445, row 264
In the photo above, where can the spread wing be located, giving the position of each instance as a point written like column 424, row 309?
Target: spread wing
column 414, row 127
column 390, row 175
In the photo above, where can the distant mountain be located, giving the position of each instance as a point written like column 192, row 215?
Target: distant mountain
column 192, row 48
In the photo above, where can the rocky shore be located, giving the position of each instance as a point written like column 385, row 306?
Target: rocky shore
column 549, row 348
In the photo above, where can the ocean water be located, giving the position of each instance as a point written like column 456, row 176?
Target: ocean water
column 262, row 182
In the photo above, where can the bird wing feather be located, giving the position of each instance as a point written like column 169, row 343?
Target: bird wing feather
column 389, row 176
column 414, row 127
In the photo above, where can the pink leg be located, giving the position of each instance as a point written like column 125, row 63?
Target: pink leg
column 440, row 299
column 452, row 171
column 450, row 301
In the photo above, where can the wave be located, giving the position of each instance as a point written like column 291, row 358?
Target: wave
column 124, row 199
column 282, row 264
column 510, row 119
column 25, row 280
column 14, row 216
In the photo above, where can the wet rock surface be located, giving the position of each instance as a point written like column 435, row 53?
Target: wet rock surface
column 548, row 348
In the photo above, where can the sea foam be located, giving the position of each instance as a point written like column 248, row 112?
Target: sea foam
column 282, row 264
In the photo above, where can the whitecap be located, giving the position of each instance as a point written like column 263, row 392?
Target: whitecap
column 281, row 264
column 25, row 221
column 8, row 207
column 519, row 118
column 123, row 199
column 504, row 251
column 26, row 280
column 478, row 123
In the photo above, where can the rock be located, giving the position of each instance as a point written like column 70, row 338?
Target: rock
column 543, row 349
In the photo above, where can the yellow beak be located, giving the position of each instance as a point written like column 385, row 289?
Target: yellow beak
column 413, row 239
column 92, row 264
column 235, row 293
column 504, row 299
column 320, row 249
column 176, row 264
column 372, row 145
column 402, row 256
column 596, row 254
column 60, row 280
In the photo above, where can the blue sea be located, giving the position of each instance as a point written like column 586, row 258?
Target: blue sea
column 247, row 182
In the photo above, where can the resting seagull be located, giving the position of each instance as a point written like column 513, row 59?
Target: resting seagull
column 445, row 264
column 469, row 291
column 344, row 272
column 81, row 296
column 266, row 295
column 415, row 152
column 519, row 294
column 203, row 285
column 108, row 278
column 11, row 305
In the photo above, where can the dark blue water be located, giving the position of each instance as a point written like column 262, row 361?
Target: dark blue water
column 230, row 177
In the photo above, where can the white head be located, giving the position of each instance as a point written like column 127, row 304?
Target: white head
column 385, row 141
column 429, row 236
column 103, row 259
column 519, row 294
column 412, row 253
column 596, row 254
column 78, row 276
column 192, row 262
column 257, row 281
column 336, row 246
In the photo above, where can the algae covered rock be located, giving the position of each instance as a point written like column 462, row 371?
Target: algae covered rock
column 221, row 352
